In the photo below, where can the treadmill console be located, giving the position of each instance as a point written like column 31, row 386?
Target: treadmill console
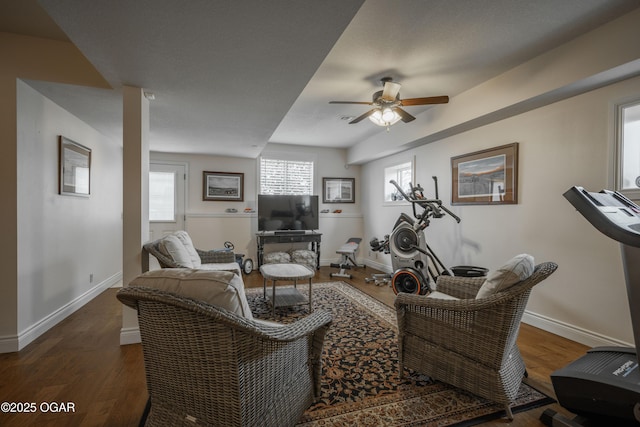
column 610, row 212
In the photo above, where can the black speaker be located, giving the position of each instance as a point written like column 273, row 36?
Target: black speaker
column 409, row 281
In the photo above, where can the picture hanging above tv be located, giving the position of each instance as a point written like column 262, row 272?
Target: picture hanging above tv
column 287, row 212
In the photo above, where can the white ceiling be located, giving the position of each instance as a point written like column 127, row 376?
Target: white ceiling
column 230, row 76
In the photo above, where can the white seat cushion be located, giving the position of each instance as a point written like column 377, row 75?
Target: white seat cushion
column 222, row 266
column 440, row 295
column 517, row 269
column 286, row 272
column 220, row 288
column 348, row 248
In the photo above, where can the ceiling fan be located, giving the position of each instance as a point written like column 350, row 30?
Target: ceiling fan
column 387, row 105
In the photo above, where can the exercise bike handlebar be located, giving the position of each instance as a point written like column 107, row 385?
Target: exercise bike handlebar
column 454, row 216
column 433, row 205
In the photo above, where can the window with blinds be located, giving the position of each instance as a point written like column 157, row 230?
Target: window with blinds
column 279, row 176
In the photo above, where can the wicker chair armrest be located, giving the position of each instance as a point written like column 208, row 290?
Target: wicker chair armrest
column 216, row 256
column 130, row 295
column 459, row 287
column 153, row 248
column 318, row 320
column 424, row 304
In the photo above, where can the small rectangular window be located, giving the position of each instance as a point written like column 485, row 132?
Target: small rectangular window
column 162, row 198
column 628, row 150
column 403, row 175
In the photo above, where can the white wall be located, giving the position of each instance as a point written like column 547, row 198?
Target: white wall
column 210, row 226
column 62, row 240
column 564, row 144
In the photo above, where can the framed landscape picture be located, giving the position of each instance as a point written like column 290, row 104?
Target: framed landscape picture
column 74, row 168
column 338, row 190
column 486, row 177
column 223, row 186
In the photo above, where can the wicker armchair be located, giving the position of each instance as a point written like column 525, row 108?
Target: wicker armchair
column 469, row 343
column 207, row 366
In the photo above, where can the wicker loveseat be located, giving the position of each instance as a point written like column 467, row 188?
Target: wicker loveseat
column 466, row 341
column 176, row 250
column 208, row 366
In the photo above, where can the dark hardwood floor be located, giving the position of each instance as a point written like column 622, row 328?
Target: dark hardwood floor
column 80, row 364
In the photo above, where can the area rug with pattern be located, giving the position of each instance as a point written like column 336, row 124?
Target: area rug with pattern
column 360, row 385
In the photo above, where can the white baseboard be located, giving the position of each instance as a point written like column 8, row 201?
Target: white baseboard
column 130, row 336
column 378, row 266
column 571, row 332
column 10, row 344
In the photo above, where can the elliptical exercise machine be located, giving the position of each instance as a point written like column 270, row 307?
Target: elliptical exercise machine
column 414, row 263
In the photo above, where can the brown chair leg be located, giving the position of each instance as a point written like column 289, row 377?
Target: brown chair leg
column 507, row 409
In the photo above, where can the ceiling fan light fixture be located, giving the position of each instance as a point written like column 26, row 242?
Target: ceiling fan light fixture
column 386, row 104
column 384, row 117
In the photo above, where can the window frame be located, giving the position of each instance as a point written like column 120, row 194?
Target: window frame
column 633, row 194
column 175, row 197
column 396, row 166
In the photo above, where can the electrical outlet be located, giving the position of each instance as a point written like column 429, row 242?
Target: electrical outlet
column 91, row 278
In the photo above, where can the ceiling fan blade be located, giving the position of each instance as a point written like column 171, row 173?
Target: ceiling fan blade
column 390, row 91
column 425, row 101
column 363, row 116
column 404, row 116
column 351, row 102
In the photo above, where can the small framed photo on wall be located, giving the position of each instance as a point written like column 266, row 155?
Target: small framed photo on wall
column 74, row 168
column 223, row 186
column 338, row 190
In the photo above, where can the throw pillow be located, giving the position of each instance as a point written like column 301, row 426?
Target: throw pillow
column 176, row 250
column 304, row 256
column 220, row 288
column 276, row 258
column 517, row 269
column 184, row 237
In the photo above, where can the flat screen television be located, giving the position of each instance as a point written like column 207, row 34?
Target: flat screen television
column 287, row 212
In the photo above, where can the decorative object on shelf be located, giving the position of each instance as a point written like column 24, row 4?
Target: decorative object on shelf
column 486, row 177
column 338, row 190
column 74, row 168
column 231, row 210
column 223, row 186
